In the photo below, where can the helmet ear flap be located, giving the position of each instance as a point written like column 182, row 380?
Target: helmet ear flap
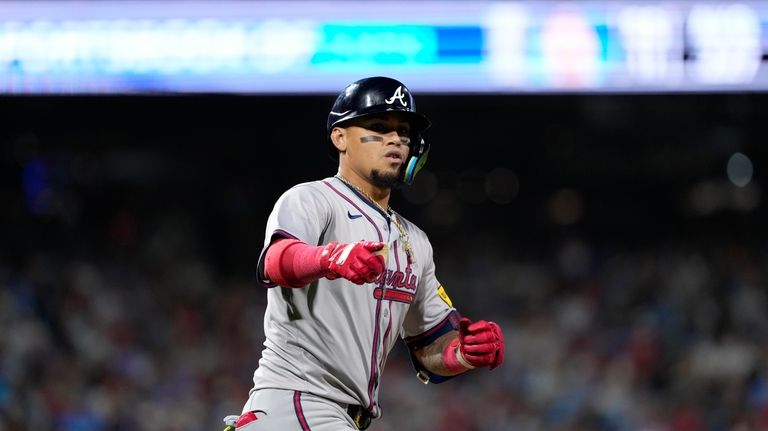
column 416, row 160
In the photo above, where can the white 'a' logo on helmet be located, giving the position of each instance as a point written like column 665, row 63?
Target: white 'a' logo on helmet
column 397, row 96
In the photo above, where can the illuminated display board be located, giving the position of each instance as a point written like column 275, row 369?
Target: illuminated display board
column 318, row 47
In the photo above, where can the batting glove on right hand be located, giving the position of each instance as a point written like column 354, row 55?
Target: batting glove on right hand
column 356, row 262
column 481, row 344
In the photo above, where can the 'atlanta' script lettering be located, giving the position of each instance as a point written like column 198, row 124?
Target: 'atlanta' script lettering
column 399, row 279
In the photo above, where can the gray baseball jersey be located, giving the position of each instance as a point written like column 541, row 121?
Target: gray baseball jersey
column 332, row 337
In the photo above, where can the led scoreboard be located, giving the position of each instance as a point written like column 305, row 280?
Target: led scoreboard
column 316, row 47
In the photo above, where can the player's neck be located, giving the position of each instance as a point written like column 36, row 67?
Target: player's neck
column 371, row 191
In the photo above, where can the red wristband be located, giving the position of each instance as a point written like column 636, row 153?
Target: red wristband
column 452, row 359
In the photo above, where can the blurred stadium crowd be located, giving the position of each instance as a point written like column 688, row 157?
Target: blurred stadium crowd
column 122, row 311
column 666, row 338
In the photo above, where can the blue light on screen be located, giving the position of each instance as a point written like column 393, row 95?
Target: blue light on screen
column 364, row 45
column 460, row 44
column 406, row 45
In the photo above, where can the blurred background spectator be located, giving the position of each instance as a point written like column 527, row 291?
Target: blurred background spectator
column 620, row 241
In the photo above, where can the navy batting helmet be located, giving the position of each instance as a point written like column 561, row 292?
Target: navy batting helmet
column 377, row 95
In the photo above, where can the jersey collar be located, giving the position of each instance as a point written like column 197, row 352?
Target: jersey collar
column 364, row 199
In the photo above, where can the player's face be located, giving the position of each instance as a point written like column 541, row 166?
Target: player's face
column 377, row 147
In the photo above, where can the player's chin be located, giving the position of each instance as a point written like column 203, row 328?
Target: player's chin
column 394, row 168
column 387, row 177
column 390, row 168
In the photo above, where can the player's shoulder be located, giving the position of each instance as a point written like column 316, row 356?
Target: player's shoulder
column 309, row 185
column 310, row 188
column 305, row 193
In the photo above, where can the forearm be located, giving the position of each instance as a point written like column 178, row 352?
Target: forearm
column 432, row 355
column 291, row 263
column 479, row 344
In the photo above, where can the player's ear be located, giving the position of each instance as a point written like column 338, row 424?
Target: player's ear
column 339, row 139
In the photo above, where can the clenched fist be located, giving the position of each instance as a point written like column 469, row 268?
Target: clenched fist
column 356, row 262
column 481, row 344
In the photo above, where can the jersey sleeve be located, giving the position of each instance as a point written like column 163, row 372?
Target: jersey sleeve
column 301, row 213
column 430, row 316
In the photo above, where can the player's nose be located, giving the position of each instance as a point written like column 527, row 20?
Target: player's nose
column 393, row 138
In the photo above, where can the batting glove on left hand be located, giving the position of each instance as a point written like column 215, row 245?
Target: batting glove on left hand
column 481, row 344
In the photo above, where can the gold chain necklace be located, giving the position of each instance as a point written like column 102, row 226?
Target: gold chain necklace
column 391, row 215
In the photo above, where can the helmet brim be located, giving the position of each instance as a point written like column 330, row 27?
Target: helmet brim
column 418, row 122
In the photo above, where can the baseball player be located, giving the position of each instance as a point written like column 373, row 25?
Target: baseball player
column 347, row 276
